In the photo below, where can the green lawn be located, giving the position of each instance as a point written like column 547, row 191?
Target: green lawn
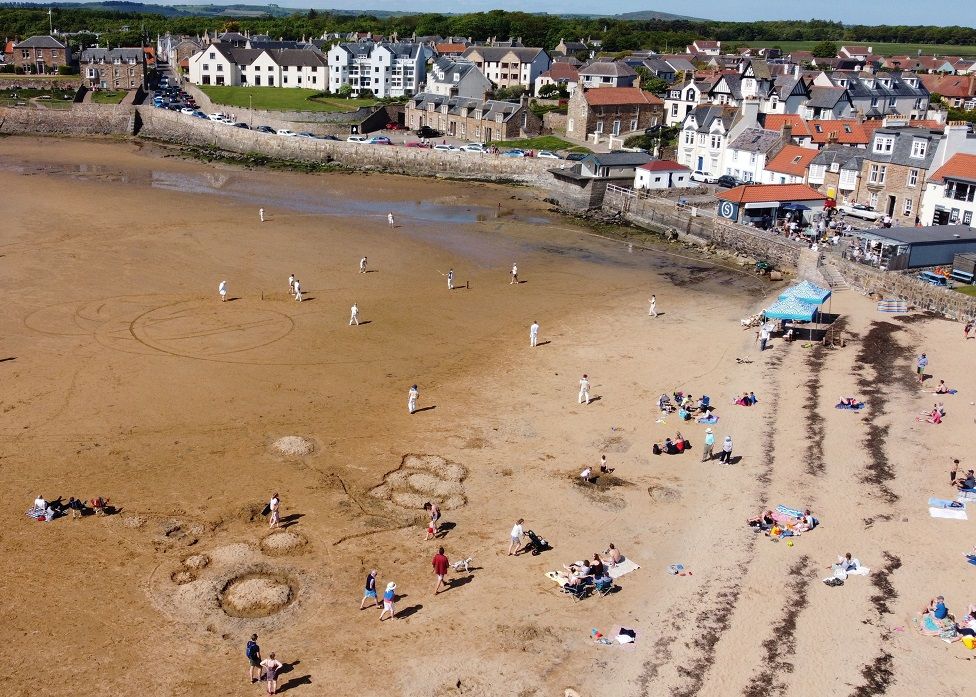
column 105, row 97
column 966, row 290
column 541, row 143
column 880, row 49
column 280, row 99
column 52, row 99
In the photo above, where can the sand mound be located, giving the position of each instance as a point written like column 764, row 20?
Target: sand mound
column 283, row 542
column 183, row 576
column 660, row 492
column 422, row 478
column 256, row 595
column 293, row 446
column 196, row 561
column 134, row 521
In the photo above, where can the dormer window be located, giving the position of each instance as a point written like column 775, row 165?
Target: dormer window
column 843, row 82
column 834, row 167
column 919, row 147
column 884, row 144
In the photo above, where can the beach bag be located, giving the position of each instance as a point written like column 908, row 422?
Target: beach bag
column 656, row 449
column 266, row 510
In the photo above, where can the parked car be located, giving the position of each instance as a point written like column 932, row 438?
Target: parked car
column 444, row 147
column 199, row 114
column 286, row 132
column 357, row 139
column 241, row 124
column 576, row 156
column 474, row 147
column 428, row 132
column 547, row 155
column 216, row 116
column 379, row 140
column 860, row 210
column 727, row 181
column 265, row 129
column 392, row 126
column 514, row 152
column 187, row 110
column 306, row 134
column 702, row 176
column 416, row 144
column 326, row 137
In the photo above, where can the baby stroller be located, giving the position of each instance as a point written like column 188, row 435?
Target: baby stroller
column 535, row 544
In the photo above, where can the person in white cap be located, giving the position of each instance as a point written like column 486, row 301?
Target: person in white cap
column 222, row 289
column 584, row 393
column 726, row 455
column 534, row 334
column 514, row 274
column 709, row 444
column 412, row 396
column 362, row 265
column 354, row 315
column 388, row 597
column 298, row 290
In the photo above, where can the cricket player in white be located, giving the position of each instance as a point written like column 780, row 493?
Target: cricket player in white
column 291, row 284
column 362, row 265
column 534, row 334
column 653, row 311
column 584, row 395
column 389, row 218
column 261, row 214
column 514, row 274
column 298, row 290
column 412, row 399
column 354, row 315
column 222, row 289
column 450, row 279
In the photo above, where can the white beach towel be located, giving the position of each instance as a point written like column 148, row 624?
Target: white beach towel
column 859, row 571
column 623, row 568
column 558, row 577
column 953, row 513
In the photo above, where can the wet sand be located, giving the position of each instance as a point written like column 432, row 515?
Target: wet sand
column 127, row 378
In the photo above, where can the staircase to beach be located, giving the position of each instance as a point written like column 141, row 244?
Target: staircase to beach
column 833, row 277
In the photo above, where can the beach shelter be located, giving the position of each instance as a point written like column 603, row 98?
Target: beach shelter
column 791, row 309
column 807, row 292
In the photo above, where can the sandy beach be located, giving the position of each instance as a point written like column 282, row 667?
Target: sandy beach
column 125, row 377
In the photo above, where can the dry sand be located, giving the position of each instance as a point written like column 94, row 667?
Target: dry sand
column 125, row 377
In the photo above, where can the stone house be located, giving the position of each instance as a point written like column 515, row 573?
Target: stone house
column 113, row 69
column 473, row 120
column 41, row 55
column 559, row 73
column 569, row 48
column 509, row 67
column 612, row 111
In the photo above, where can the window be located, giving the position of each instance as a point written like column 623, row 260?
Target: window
column 884, row 143
column 874, row 200
column 912, row 177
column 674, row 110
column 967, row 217
column 599, row 126
column 834, row 167
column 892, row 102
column 213, row 55
column 633, row 124
column 848, row 179
column 908, row 206
column 689, row 138
column 876, row 175
column 817, row 173
column 570, row 124
column 206, row 66
column 919, row 147
column 716, row 141
column 616, row 127
column 220, row 68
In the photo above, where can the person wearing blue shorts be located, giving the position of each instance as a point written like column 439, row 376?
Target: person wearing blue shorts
column 370, row 592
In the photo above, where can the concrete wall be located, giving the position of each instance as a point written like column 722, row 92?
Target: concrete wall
column 80, row 119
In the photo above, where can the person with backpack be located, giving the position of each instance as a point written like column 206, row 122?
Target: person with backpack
column 253, row 653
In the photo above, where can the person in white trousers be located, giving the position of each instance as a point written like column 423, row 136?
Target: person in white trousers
column 653, row 311
column 291, row 284
column 389, row 218
column 222, row 289
column 450, row 279
column 298, row 290
column 362, row 265
column 412, row 396
column 534, row 334
column 514, row 274
column 584, row 394
column 261, row 214
column 354, row 315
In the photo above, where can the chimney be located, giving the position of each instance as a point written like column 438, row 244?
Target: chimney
column 952, row 142
column 750, row 112
column 832, row 138
column 786, row 133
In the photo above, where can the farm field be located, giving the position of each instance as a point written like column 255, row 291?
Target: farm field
column 881, row 49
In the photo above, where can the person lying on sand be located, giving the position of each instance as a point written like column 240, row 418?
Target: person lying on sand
column 762, row 522
column 849, row 402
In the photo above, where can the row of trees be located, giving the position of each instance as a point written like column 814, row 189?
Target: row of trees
column 534, row 29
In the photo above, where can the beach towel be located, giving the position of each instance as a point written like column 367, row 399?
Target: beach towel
column 710, row 419
column 791, row 512
column 783, row 518
column 951, row 513
column 623, row 568
column 945, row 503
column 35, row 514
column 852, row 407
column 558, row 577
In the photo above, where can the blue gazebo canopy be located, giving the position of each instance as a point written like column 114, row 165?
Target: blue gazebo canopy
column 806, row 292
column 791, row 308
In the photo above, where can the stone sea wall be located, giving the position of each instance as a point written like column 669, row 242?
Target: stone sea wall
column 80, row 119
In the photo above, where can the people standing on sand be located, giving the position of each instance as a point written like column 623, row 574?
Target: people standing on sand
column 362, row 265
column 726, row 455
column 450, row 279
column 433, row 512
column 222, row 289
column 604, row 467
column 516, row 536
column 354, row 315
column 763, row 338
column 412, row 397
column 966, row 329
column 514, row 274
column 388, row 597
column 709, row 444
column 370, row 592
column 920, row 365
column 261, row 214
column 584, row 392
column 653, row 311
column 389, row 218
column 274, row 508
column 440, row 564
column 534, row 334
column 291, row 284
column 298, row 290
column 253, row 653
column 271, row 667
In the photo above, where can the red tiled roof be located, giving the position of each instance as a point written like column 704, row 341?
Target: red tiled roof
column 760, row 193
column 663, row 166
column 450, row 48
column 849, row 131
column 608, row 96
column 562, row 71
column 775, row 122
column 958, row 86
column 792, row 159
column 959, row 166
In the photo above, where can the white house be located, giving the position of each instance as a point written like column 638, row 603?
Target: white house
column 746, row 155
column 559, row 73
column 662, row 174
column 680, row 99
column 223, row 64
column 385, row 69
column 703, row 137
column 220, row 64
column 607, row 74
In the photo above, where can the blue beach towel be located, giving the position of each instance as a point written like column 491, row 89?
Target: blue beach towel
column 710, row 419
column 945, row 503
column 855, row 407
column 791, row 512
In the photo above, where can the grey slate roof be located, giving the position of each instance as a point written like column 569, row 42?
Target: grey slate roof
column 844, row 156
column 619, row 159
column 758, row 140
column 706, row 114
column 825, row 97
column 298, row 57
column 658, row 67
column 40, row 42
column 901, row 152
column 607, row 69
column 490, row 108
column 109, row 55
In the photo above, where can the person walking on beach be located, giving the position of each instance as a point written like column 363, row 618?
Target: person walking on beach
column 763, row 338
column 726, row 456
column 354, row 315
column 412, row 397
column 920, row 366
column 222, row 289
column 271, row 667
column 362, row 265
column 298, row 290
column 389, row 218
column 534, row 334
column 514, row 274
column 370, row 592
column 261, row 214
column 274, row 508
column 388, row 596
column 450, row 279
column 709, row 444
column 253, row 653
column 517, row 533
column 291, row 284
column 434, row 513
column 652, row 312
column 440, row 564
column 584, row 393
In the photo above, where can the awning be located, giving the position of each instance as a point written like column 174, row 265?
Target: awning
column 763, row 204
column 791, row 308
column 806, row 292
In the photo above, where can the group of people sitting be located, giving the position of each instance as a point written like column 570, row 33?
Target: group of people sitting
column 966, row 482
column 934, row 416
column 597, row 571
column 934, row 619
column 44, row 510
column 685, row 404
column 671, row 446
column 747, row 399
column 777, row 525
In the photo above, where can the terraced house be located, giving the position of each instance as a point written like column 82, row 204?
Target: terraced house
column 509, row 67
column 473, row 120
column 113, row 68
column 225, row 64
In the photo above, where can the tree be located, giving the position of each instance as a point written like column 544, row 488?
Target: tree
column 553, row 90
column 510, row 94
column 825, row 49
column 345, row 91
column 649, row 82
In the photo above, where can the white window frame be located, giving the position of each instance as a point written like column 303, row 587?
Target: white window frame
column 909, row 206
column 877, row 174
column 912, row 180
column 919, row 147
column 884, row 144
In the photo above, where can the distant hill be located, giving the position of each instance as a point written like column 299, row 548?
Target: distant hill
column 653, row 14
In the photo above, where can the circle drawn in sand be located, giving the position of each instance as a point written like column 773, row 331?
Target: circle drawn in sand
column 293, row 446
column 283, row 542
column 422, row 478
column 257, row 594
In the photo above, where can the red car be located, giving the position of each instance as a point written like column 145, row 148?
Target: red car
column 416, row 144
column 394, row 127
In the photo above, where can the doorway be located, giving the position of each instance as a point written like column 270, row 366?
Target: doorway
column 890, row 209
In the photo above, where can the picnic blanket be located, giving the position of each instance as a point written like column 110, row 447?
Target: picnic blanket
column 859, row 571
column 623, row 568
column 946, row 503
column 851, row 407
column 791, row 512
column 952, row 513
column 35, row 514
column 710, row 419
